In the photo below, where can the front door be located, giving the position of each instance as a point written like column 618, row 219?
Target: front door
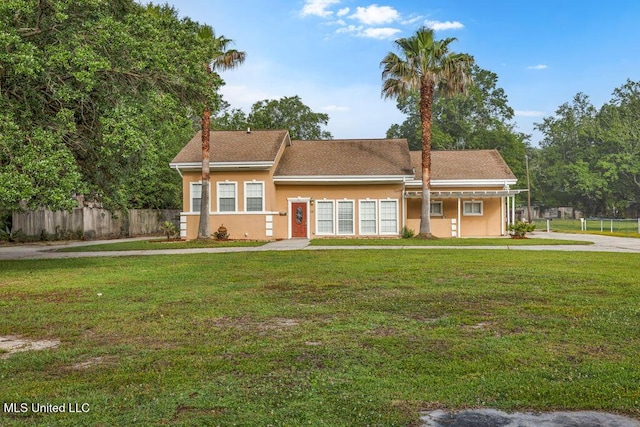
column 298, row 219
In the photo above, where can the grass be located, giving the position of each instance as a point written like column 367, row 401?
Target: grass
column 321, row 337
column 445, row 242
column 621, row 228
column 156, row 244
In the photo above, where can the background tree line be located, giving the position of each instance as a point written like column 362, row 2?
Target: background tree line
column 96, row 97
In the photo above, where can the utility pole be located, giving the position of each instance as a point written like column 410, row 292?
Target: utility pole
column 526, row 159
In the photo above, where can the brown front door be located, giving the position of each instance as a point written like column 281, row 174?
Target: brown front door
column 298, row 219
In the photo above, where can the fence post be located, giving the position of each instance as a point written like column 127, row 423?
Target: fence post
column 601, row 230
column 548, row 225
column 612, row 226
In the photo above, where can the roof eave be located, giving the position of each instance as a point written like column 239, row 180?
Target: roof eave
column 259, row 165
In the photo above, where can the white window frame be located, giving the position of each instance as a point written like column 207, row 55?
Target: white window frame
column 375, row 218
column 470, row 203
column 353, row 216
column 248, row 183
column 235, row 195
column 191, row 187
column 333, row 218
column 381, row 219
column 437, row 203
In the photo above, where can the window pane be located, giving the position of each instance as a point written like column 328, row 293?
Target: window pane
column 388, row 216
column 368, row 217
column 226, row 196
column 253, row 195
column 324, row 213
column 436, row 208
column 196, row 197
column 345, row 217
column 473, row 208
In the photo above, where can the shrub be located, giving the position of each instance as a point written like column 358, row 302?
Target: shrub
column 407, row 233
column 169, row 229
column 520, row 228
column 222, row 233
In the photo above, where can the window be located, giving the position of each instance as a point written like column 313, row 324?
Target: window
column 388, row 216
column 473, row 208
column 324, row 217
column 253, row 196
column 436, row 208
column 345, row 217
column 227, row 197
column 368, row 217
column 196, row 196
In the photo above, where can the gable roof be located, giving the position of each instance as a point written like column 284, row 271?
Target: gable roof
column 234, row 147
column 464, row 165
column 346, row 157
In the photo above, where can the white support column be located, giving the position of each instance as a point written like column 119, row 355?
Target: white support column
column 513, row 209
column 507, row 216
column 459, row 221
column 503, row 230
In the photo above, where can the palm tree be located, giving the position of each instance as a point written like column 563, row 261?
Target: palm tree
column 427, row 67
column 221, row 58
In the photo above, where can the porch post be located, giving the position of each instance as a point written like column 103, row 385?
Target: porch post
column 507, row 211
column 459, row 222
column 502, row 222
column 513, row 209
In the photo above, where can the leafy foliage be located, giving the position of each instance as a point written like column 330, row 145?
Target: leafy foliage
column 520, row 229
column 481, row 119
column 288, row 113
column 96, row 98
column 590, row 158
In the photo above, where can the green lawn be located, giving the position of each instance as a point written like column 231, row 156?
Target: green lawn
column 156, row 244
column 445, row 242
column 336, row 338
column 616, row 227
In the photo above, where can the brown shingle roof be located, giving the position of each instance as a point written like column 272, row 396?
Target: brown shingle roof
column 234, row 146
column 463, row 164
column 340, row 157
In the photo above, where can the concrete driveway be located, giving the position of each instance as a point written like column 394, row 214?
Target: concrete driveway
column 47, row 251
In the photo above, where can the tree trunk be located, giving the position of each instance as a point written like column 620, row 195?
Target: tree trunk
column 426, row 99
column 204, row 231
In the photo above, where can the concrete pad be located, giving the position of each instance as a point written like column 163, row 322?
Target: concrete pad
column 495, row 418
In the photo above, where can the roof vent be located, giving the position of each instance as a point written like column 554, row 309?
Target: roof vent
column 248, row 130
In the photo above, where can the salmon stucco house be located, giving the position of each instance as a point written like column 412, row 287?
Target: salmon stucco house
column 264, row 186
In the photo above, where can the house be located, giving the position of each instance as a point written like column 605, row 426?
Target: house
column 264, row 186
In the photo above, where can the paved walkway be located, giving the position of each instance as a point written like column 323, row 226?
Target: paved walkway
column 48, row 251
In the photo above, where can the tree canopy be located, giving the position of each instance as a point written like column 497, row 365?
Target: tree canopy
column 96, row 97
column 590, row 158
column 481, row 119
column 288, row 112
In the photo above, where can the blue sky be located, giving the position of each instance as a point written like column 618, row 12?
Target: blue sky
column 329, row 51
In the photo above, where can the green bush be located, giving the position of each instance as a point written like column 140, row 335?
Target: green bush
column 407, row 233
column 520, row 229
column 169, row 229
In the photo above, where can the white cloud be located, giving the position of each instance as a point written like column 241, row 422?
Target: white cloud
column 412, row 19
column 373, row 33
column 318, row 8
column 529, row 113
column 343, row 12
column 446, row 25
column 379, row 33
column 537, row 67
column 376, row 15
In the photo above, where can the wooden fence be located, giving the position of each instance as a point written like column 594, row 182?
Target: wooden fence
column 92, row 223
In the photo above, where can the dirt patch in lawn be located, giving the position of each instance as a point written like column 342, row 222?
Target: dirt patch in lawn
column 10, row 344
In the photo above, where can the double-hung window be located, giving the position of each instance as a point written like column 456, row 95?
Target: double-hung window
column 436, row 209
column 473, row 208
column 227, row 197
column 345, row 217
column 196, row 196
column 368, row 217
column 253, row 196
column 324, row 217
column 388, row 216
